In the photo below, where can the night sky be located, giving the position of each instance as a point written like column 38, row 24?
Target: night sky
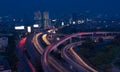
column 58, row 7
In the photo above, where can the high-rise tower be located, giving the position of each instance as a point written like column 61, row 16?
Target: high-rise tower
column 38, row 18
column 46, row 20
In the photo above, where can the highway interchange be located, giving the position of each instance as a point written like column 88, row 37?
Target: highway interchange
column 69, row 60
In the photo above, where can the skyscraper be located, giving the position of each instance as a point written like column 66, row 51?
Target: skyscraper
column 46, row 20
column 38, row 18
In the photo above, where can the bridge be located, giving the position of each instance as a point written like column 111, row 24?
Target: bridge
column 93, row 35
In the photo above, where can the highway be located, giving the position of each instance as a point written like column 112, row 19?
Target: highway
column 66, row 55
column 36, row 43
column 25, row 62
column 76, row 59
column 54, row 46
column 44, row 37
column 33, row 46
column 80, row 61
column 52, row 61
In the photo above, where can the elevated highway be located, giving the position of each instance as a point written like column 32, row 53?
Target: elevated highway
column 52, row 47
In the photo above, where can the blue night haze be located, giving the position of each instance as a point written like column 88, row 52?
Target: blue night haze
column 58, row 7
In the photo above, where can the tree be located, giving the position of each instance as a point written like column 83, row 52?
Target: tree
column 117, row 39
column 100, row 39
column 89, row 43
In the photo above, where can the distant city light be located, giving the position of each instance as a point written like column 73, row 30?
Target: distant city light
column 29, row 29
column 54, row 20
column 35, row 25
column 74, row 22
column 58, row 38
column 104, row 21
column 0, row 17
column 106, row 26
column 63, row 24
column 21, row 20
column 113, row 21
column 99, row 21
column 14, row 19
column 68, row 25
column 19, row 27
column 81, row 21
column 49, row 31
column 89, row 19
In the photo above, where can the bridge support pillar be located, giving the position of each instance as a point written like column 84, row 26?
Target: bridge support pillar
column 93, row 36
column 71, row 40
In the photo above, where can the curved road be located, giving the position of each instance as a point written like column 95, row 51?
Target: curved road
column 53, row 62
column 75, row 58
column 54, row 46
column 23, row 59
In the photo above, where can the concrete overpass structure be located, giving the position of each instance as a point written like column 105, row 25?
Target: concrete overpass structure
column 93, row 35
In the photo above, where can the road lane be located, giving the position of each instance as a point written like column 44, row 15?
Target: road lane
column 53, row 62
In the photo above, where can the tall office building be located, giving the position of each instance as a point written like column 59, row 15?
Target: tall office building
column 38, row 18
column 46, row 19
